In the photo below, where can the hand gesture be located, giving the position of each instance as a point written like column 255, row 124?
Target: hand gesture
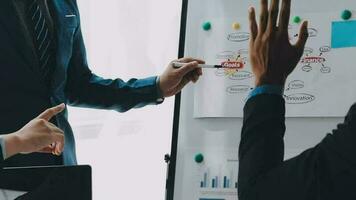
column 173, row 80
column 272, row 55
column 39, row 135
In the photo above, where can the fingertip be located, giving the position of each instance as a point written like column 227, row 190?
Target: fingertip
column 58, row 150
column 306, row 24
column 264, row 4
column 303, row 36
column 59, row 108
column 305, row 29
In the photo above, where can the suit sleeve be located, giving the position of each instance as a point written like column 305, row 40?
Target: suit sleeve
column 342, row 140
column 326, row 170
column 1, row 152
column 86, row 89
column 262, row 146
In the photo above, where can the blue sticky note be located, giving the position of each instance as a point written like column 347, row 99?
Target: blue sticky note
column 343, row 34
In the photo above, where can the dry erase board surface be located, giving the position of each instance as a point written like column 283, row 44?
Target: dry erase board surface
column 210, row 115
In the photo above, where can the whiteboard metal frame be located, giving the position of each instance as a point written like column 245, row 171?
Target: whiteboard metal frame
column 173, row 156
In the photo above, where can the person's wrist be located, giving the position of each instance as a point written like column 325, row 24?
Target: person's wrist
column 265, row 80
column 13, row 144
column 161, row 87
column 160, row 93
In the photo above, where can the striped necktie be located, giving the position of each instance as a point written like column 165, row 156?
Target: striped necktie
column 42, row 39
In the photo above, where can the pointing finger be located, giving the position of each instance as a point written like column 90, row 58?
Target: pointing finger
column 51, row 112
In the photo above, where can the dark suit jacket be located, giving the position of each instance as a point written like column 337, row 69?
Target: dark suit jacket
column 24, row 95
column 327, row 171
column 1, row 157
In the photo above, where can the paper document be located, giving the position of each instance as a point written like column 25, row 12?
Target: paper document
column 321, row 85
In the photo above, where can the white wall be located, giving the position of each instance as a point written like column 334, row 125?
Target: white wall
column 127, row 38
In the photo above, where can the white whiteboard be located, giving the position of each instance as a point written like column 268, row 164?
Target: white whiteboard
column 218, row 138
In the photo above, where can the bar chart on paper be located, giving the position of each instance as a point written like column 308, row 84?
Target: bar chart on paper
column 218, row 184
column 214, row 178
column 225, row 181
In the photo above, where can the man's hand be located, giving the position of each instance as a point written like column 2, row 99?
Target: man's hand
column 272, row 56
column 173, row 80
column 39, row 135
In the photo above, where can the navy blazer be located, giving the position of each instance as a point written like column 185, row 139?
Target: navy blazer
column 1, row 157
column 24, row 95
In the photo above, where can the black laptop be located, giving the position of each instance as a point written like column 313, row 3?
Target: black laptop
column 47, row 183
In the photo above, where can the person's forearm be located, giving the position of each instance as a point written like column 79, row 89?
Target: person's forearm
column 112, row 94
column 261, row 147
column 264, row 120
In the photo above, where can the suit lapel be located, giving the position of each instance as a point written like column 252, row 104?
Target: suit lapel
column 10, row 20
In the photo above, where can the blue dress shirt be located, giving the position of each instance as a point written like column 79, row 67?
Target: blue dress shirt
column 266, row 89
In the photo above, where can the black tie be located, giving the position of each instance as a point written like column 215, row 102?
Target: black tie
column 42, row 38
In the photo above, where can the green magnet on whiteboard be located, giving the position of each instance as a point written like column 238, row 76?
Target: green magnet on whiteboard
column 207, row 26
column 199, row 158
column 346, row 14
column 297, row 19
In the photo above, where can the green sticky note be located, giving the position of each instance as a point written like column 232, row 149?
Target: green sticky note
column 343, row 34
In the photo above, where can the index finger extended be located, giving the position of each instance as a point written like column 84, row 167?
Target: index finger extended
column 51, row 112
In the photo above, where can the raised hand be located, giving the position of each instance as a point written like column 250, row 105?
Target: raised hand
column 272, row 55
